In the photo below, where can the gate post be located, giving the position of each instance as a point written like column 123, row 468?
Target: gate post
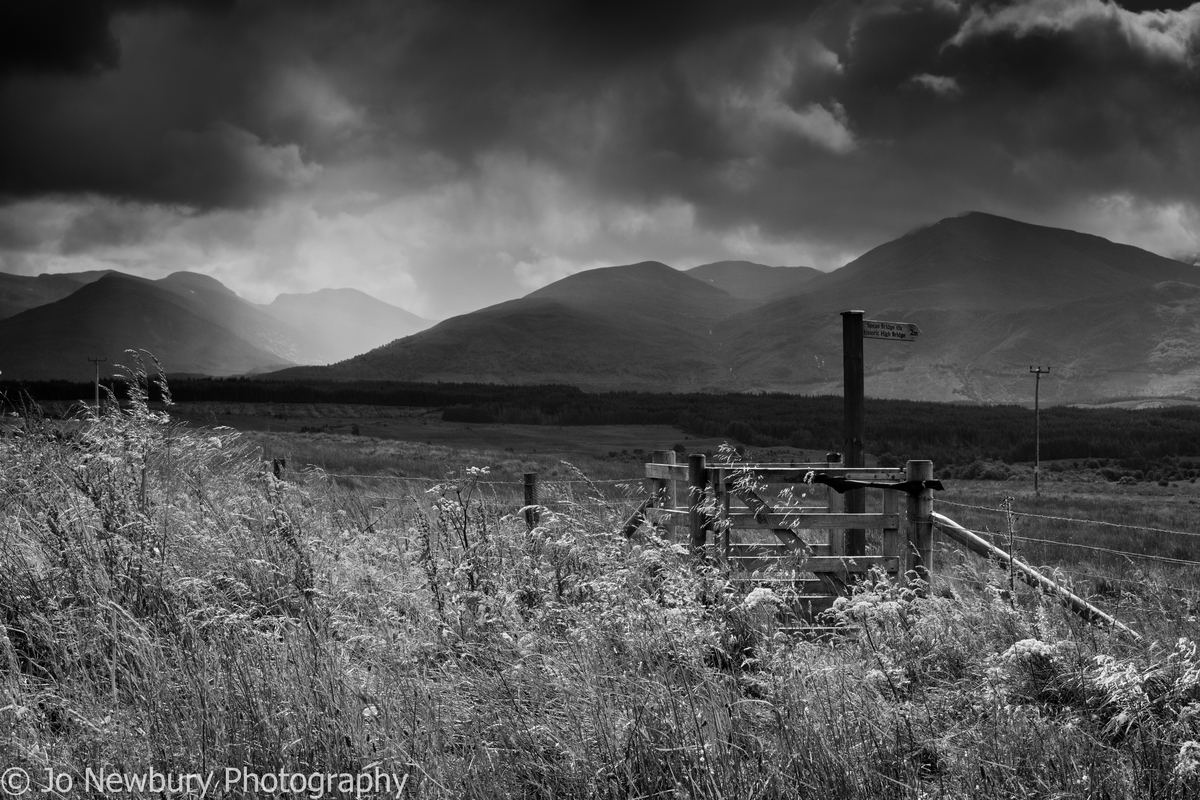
column 531, row 498
column 697, row 480
column 919, row 524
column 662, row 490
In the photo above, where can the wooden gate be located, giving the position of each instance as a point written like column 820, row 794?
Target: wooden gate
column 785, row 524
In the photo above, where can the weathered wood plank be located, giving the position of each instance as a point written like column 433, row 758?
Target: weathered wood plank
column 667, row 472
column 804, row 586
column 779, row 551
column 845, row 564
column 697, row 483
column 891, row 535
column 796, row 475
column 821, row 566
column 748, row 520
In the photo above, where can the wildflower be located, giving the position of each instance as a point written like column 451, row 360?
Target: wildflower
column 758, row 596
column 1187, row 765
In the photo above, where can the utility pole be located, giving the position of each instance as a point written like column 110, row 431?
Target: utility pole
column 97, row 362
column 1037, row 372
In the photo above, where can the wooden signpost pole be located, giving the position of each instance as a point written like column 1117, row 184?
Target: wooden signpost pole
column 855, row 422
column 854, row 329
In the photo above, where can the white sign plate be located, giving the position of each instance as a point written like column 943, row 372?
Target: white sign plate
column 897, row 331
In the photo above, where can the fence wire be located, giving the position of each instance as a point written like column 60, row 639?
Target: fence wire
column 1101, row 523
column 549, row 496
column 1000, row 536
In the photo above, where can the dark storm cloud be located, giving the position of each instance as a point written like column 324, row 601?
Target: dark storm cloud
column 183, row 112
column 838, row 121
column 1020, row 108
column 1090, row 100
column 70, row 36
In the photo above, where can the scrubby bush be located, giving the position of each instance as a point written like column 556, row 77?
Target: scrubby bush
column 985, row 471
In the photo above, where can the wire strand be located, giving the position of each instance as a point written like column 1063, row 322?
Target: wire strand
column 1071, row 519
column 1129, row 554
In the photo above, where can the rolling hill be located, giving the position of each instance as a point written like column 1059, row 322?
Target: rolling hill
column 192, row 323
column 991, row 295
column 22, row 292
column 640, row 325
column 169, row 318
column 347, row 322
column 750, row 281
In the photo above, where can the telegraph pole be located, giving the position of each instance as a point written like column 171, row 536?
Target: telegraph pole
column 1037, row 372
column 97, row 362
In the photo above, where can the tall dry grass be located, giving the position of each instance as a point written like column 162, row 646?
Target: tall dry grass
column 168, row 603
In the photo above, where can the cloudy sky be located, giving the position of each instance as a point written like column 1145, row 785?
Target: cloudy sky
column 447, row 154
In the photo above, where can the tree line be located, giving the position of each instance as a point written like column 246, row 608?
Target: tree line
column 946, row 433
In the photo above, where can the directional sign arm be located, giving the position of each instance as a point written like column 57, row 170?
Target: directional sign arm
column 896, row 331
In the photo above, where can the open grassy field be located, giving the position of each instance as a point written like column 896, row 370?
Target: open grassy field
column 168, row 604
column 592, row 443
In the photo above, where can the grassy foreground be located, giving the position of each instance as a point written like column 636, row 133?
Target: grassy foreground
column 169, row 605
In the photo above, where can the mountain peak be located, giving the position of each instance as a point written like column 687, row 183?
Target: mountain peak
column 979, row 260
column 196, row 281
column 750, row 281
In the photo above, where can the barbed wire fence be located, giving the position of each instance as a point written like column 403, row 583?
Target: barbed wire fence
column 1080, row 548
column 610, row 499
column 1076, row 548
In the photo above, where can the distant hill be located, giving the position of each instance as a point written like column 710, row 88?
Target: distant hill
column 640, row 325
column 22, row 292
column 982, row 261
column 750, row 281
column 347, row 322
column 192, row 323
column 991, row 295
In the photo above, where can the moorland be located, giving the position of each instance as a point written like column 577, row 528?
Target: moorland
column 383, row 604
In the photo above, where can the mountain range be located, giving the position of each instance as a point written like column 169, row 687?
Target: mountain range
column 51, row 325
column 992, row 297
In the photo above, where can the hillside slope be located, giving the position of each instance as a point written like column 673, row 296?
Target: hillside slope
column 991, row 295
column 641, row 325
column 347, row 322
column 22, row 292
column 119, row 312
column 749, row 281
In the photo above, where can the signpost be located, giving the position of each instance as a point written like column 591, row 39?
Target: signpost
column 896, row 331
column 854, row 330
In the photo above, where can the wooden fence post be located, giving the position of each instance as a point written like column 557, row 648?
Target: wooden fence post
column 531, row 498
column 697, row 480
column 720, row 523
column 835, row 504
column 919, row 528
column 891, row 536
column 663, row 489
